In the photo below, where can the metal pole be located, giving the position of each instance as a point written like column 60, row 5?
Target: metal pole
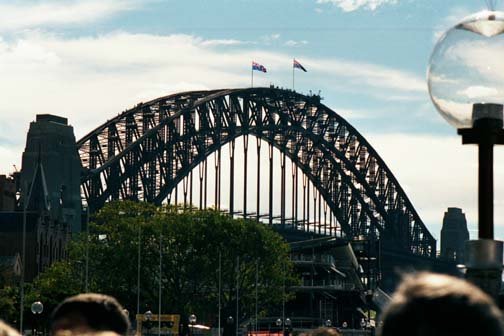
column 185, row 182
column 138, row 267
column 86, row 286
column 219, row 176
column 304, row 201
column 206, row 182
column 293, row 215
column 485, row 190
column 220, row 279
column 308, row 202
column 293, row 88
column 319, row 210
column 160, row 278
column 231, row 177
column 258, row 189
column 270, row 191
column 26, row 200
column 191, row 189
column 245, row 163
column 282, row 187
column 25, row 205
column 216, row 197
column 201, row 168
column 256, row 293
column 315, row 210
column 237, row 292
column 283, row 302
column 297, row 196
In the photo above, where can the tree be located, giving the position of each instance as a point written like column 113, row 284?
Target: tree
column 192, row 242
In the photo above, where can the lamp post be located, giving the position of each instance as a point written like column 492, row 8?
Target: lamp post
column 26, row 201
column 37, row 308
column 148, row 320
column 230, row 321
column 86, row 286
column 287, row 326
column 465, row 89
column 192, row 321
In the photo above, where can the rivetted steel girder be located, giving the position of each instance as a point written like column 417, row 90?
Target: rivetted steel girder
column 143, row 153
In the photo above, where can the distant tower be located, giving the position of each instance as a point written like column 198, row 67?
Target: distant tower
column 52, row 164
column 454, row 234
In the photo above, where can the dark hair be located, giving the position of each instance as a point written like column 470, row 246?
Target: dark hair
column 430, row 304
column 99, row 312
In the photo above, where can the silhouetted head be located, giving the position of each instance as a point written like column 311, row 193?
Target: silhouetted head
column 323, row 331
column 428, row 304
column 89, row 313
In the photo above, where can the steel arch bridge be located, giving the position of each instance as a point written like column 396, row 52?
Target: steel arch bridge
column 144, row 152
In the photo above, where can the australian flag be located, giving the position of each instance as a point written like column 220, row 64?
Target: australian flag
column 258, row 67
column 298, row 65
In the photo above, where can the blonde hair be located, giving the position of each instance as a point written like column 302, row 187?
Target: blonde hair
column 7, row 330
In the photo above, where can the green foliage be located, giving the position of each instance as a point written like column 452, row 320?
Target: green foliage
column 191, row 242
column 59, row 281
column 9, row 304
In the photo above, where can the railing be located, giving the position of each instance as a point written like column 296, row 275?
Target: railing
column 322, row 258
column 308, row 283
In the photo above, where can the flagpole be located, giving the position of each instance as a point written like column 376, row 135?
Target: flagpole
column 293, row 88
column 220, row 275
column 252, row 80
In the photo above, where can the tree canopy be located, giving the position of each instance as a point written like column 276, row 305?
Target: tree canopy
column 191, row 244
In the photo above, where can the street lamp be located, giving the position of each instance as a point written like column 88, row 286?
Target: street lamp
column 287, row 328
column 37, row 308
column 192, row 321
column 148, row 319
column 467, row 88
column 230, row 321
column 363, row 323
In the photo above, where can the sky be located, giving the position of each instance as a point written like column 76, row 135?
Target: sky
column 89, row 60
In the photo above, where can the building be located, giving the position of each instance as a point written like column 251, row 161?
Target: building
column 10, row 269
column 7, row 193
column 49, row 196
column 454, row 234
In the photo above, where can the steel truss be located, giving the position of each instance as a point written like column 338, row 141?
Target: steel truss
column 143, row 153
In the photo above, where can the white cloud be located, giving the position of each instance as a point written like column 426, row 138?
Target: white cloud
column 292, row 43
column 352, row 5
column 371, row 75
column 229, row 42
column 22, row 15
column 480, row 58
column 479, row 91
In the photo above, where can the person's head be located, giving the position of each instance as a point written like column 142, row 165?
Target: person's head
column 6, row 330
column 428, row 304
column 89, row 313
column 323, row 331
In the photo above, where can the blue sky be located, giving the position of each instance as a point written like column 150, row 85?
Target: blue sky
column 91, row 59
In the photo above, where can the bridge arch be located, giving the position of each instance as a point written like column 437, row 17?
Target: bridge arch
column 144, row 152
